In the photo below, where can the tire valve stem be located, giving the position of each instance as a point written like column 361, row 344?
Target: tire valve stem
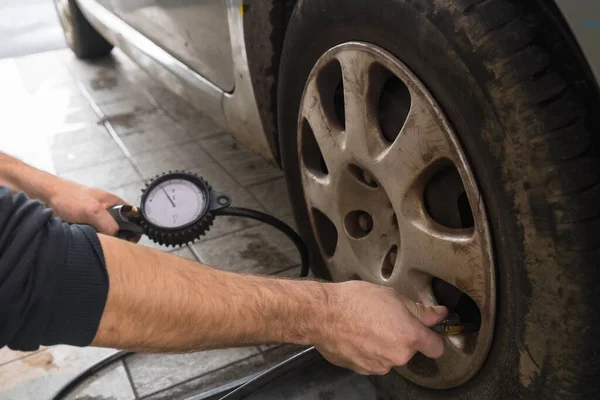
column 451, row 326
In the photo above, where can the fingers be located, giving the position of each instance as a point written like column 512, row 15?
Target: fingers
column 104, row 223
column 428, row 315
column 360, row 365
column 111, row 200
column 428, row 342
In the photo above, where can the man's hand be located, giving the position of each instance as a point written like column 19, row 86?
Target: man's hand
column 70, row 201
column 79, row 204
column 374, row 328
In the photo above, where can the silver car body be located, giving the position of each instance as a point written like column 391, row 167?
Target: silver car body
column 197, row 48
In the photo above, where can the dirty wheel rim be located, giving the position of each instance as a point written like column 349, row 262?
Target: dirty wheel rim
column 392, row 199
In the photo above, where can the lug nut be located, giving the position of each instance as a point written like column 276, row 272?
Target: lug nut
column 358, row 224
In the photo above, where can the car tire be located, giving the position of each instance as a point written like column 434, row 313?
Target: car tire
column 512, row 93
column 80, row 35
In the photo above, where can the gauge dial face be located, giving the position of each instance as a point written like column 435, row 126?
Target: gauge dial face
column 174, row 203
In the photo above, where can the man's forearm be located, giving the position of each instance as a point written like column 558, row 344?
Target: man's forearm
column 160, row 302
column 21, row 177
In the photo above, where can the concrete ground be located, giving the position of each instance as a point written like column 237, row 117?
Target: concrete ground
column 29, row 26
column 55, row 111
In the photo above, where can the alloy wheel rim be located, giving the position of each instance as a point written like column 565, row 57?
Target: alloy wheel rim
column 392, row 199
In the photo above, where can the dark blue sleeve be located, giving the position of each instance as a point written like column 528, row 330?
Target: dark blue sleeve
column 53, row 278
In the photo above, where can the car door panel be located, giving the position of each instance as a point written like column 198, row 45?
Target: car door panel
column 196, row 32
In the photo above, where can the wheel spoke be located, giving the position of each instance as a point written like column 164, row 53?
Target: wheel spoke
column 362, row 131
column 421, row 143
column 453, row 255
column 357, row 195
column 319, row 193
column 344, row 265
column 372, row 252
column 327, row 134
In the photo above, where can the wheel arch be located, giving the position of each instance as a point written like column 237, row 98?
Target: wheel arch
column 264, row 30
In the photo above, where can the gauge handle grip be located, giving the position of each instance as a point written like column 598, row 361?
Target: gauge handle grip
column 125, row 217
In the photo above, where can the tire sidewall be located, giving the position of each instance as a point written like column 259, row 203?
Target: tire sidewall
column 404, row 31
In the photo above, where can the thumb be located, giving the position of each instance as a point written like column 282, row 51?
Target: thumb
column 428, row 315
column 104, row 223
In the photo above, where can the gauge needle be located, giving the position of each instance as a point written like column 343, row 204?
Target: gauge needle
column 169, row 197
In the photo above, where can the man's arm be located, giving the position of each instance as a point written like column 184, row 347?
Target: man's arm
column 69, row 201
column 54, row 288
column 160, row 302
column 21, row 177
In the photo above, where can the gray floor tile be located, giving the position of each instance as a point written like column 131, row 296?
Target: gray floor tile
column 39, row 70
column 42, row 374
column 260, row 249
column 247, row 167
column 104, row 84
column 224, row 224
column 154, row 372
column 65, row 94
column 273, row 195
column 78, row 117
column 291, row 221
column 82, row 69
column 213, row 379
column 123, row 63
column 82, row 148
column 116, row 63
column 105, row 176
column 131, row 193
column 110, row 89
column 136, row 103
column 184, row 252
column 188, row 117
column 272, row 355
column 78, row 136
column 7, row 355
column 140, row 78
column 199, row 127
column 111, row 383
column 172, row 158
column 156, row 138
column 125, row 122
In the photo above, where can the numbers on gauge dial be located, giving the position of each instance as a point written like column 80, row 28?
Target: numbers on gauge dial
column 174, row 203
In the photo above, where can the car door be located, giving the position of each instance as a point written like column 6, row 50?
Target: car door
column 194, row 31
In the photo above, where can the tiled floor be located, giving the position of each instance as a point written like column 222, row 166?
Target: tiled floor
column 49, row 110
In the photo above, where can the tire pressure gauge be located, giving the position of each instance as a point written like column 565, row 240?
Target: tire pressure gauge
column 176, row 208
